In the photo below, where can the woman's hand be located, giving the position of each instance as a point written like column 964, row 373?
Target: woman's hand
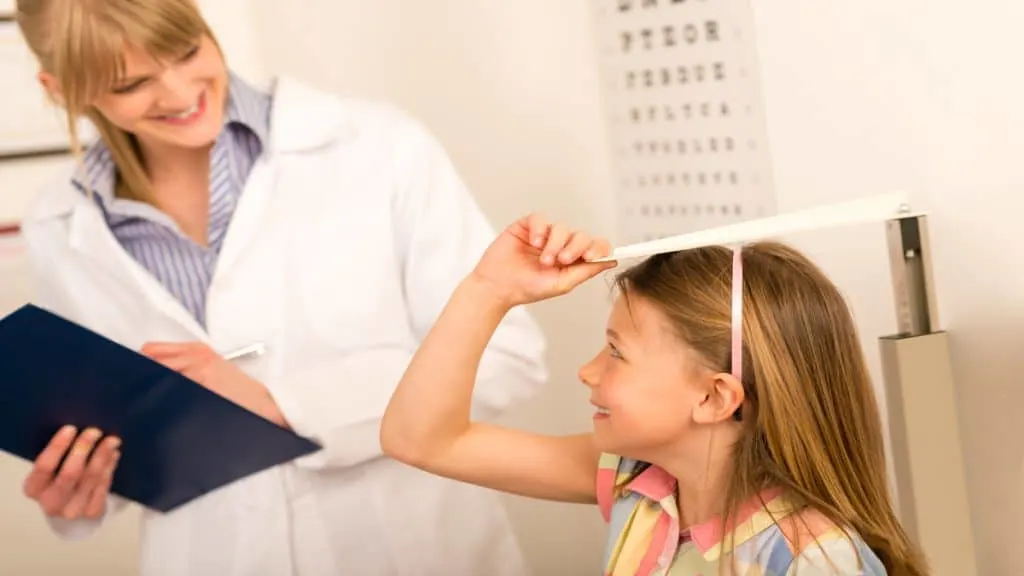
column 534, row 260
column 78, row 487
column 202, row 364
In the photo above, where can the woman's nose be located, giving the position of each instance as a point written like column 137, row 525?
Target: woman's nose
column 176, row 90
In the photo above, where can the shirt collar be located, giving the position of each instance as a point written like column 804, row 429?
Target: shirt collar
column 246, row 108
column 754, row 516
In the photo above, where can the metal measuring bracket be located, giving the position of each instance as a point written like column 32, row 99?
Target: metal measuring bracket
column 912, row 278
column 924, row 434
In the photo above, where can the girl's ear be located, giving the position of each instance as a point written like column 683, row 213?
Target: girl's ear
column 52, row 87
column 723, row 397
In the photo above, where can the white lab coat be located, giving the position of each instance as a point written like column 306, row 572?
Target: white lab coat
column 350, row 236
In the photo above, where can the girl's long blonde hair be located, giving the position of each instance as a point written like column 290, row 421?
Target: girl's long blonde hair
column 811, row 425
column 82, row 42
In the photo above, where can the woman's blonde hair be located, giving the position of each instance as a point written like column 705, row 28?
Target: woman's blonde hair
column 810, row 421
column 82, row 42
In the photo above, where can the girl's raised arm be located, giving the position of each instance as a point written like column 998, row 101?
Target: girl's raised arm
column 427, row 423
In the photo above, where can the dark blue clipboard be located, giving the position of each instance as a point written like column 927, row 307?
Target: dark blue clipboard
column 179, row 440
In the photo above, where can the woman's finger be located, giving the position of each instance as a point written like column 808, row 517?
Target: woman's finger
column 100, row 465
column 178, row 363
column 163, row 349
column 97, row 503
column 45, row 466
column 59, row 492
column 79, row 498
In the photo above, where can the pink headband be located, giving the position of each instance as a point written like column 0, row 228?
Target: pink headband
column 737, row 313
column 737, row 320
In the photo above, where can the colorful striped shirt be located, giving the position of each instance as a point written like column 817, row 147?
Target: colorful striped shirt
column 151, row 237
column 770, row 536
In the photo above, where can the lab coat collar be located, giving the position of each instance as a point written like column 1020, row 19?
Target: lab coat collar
column 90, row 236
column 302, row 118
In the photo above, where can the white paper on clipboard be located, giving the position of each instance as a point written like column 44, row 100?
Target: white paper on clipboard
column 871, row 209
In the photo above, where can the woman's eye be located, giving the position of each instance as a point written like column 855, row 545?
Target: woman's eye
column 191, row 53
column 614, row 351
column 128, row 87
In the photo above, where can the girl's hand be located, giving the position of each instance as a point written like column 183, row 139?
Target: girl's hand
column 533, row 260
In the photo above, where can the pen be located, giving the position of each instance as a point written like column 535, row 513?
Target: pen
column 255, row 350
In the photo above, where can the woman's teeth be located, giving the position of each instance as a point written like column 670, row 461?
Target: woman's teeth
column 184, row 114
column 602, row 411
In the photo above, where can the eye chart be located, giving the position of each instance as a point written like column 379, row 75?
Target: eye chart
column 682, row 96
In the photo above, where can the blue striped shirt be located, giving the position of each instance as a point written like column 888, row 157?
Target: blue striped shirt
column 150, row 236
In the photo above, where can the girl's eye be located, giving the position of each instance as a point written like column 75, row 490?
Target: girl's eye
column 614, row 351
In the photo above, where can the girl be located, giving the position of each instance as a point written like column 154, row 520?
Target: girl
column 735, row 430
column 213, row 215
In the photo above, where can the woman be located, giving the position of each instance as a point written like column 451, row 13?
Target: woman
column 212, row 215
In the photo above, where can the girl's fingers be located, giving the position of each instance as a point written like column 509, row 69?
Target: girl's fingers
column 598, row 249
column 558, row 243
column 538, row 228
column 573, row 276
column 578, row 243
column 557, row 239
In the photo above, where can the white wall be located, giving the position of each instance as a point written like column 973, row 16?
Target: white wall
column 863, row 97
column 20, row 180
